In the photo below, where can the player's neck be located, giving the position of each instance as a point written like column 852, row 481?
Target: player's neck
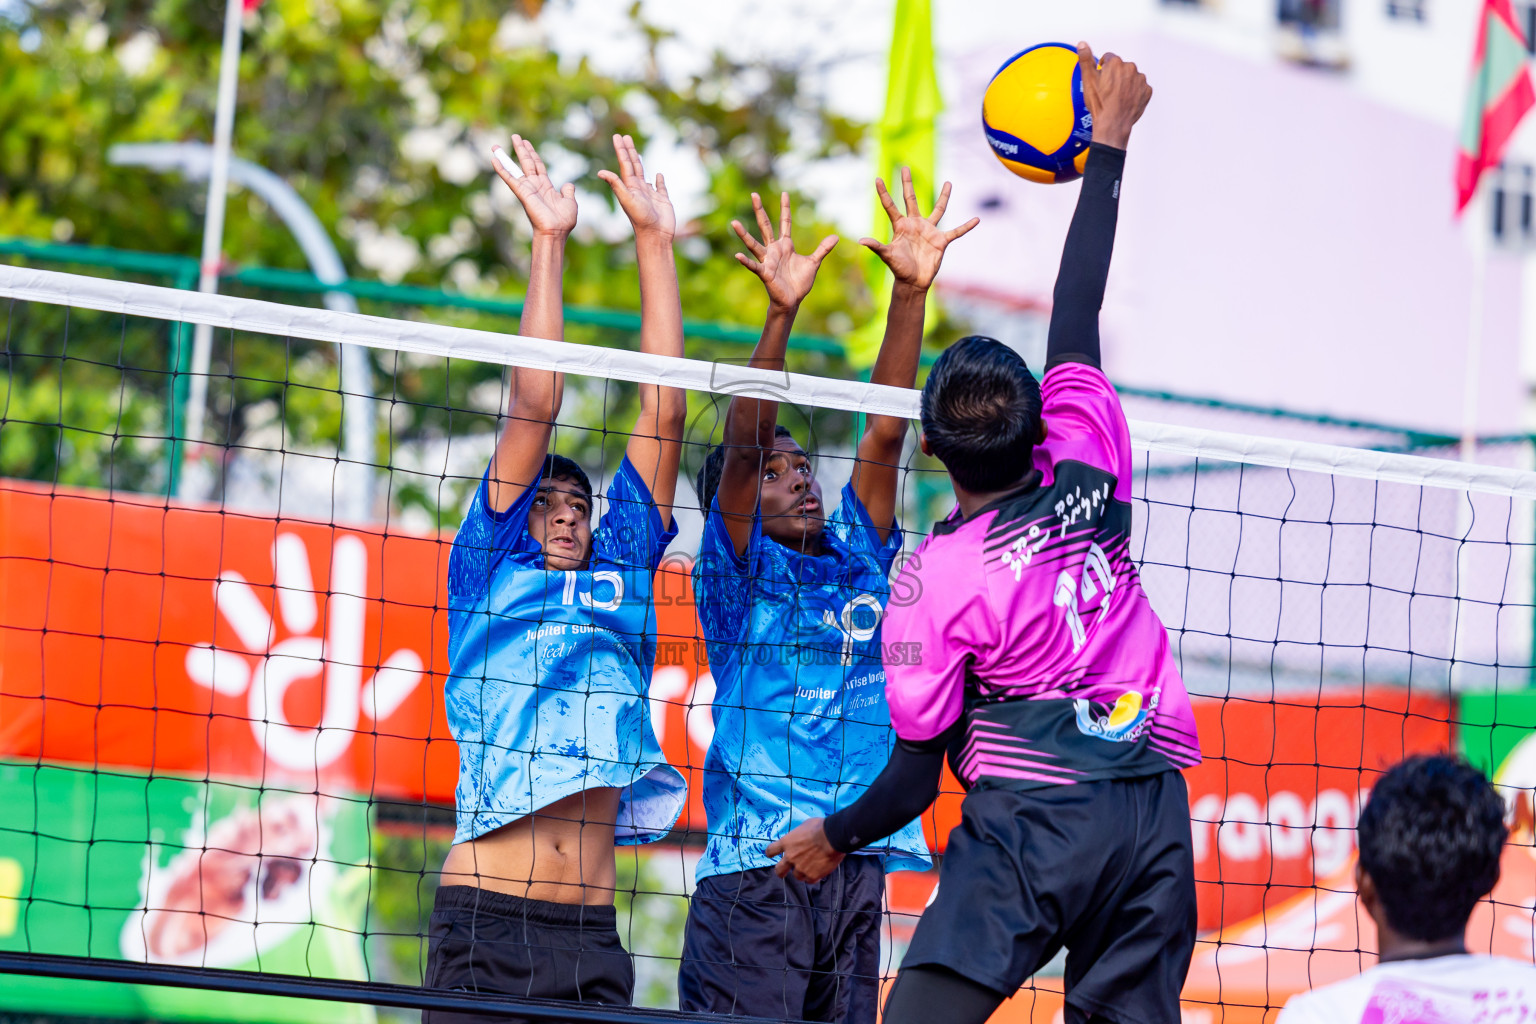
column 971, row 502
column 1396, row 947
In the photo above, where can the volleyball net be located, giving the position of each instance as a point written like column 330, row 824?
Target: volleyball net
column 224, row 752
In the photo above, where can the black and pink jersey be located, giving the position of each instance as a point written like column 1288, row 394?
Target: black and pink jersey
column 1029, row 619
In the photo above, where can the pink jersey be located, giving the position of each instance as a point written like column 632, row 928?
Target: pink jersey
column 1029, row 619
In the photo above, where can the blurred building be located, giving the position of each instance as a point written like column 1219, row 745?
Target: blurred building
column 1288, row 234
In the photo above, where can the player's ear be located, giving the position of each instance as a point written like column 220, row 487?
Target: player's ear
column 922, row 442
column 1043, row 433
column 1365, row 885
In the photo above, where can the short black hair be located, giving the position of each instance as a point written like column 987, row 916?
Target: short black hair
column 1431, row 836
column 707, row 481
column 558, row 466
column 981, row 413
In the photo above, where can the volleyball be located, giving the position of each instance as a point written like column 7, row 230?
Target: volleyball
column 1034, row 114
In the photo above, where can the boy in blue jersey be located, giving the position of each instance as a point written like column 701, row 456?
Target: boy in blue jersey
column 551, row 640
column 790, row 600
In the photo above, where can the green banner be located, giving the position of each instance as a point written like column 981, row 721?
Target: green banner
column 170, row 870
column 1492, row 732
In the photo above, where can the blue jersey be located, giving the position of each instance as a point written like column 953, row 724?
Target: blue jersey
column 548, row 669
column 801, row 723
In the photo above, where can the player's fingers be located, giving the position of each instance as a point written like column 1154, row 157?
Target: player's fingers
column 940, row 206
column 568, row 190
column 1108, row 59
column 528, row 155
column 753, row 245
column 750, row 264
column 775, row 848
column 634, row 157
column 612, row 180
column 951, row 235
column 520, row 149
column 908, row 193
column 763, row 224
column 621, row 154
column 886, row 201
column 786, row 223
column 661, row 186
column 827, row 245
column 1089, row 66
column 783, row 868
column 503, row 165
column 874, row 246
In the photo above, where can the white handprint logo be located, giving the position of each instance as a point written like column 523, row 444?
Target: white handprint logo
column 280, row 664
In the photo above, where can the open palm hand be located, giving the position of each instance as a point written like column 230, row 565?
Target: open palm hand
column 648, row 206
column 786, row 274
column 917, row 243
column 551, row 211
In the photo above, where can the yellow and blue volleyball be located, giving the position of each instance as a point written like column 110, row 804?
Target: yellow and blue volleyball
column 1035, row 117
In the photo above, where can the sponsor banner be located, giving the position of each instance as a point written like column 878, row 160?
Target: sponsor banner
column 1273, row 806
column 169, row 870
column 183, row 639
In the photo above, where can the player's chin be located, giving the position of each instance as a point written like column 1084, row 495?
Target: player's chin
column 564, row 562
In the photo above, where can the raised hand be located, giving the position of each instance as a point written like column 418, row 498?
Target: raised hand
column 647, row 206
column 917, row 243
column 1116, row 94
column 788, row 275
column 551, row 211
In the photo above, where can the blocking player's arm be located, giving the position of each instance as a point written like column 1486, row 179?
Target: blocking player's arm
column 905, row 787
column 949, row 627
column 915, row 251
column 655, row 445
column 749, row 422
column 536, row 394
column 1116, row 94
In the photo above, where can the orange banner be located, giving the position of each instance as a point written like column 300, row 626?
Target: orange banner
column 197, row 640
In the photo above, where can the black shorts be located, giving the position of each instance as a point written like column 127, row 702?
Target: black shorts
column 1104, row 869
column 765, row 946
column 484, row 941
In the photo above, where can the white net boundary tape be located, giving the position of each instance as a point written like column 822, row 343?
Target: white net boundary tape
column 273, row 318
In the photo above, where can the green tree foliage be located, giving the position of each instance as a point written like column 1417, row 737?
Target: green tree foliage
column 381, row 115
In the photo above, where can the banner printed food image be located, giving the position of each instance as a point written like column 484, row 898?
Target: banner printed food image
column 218, row 875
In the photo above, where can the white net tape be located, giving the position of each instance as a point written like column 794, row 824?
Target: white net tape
column 722, row 378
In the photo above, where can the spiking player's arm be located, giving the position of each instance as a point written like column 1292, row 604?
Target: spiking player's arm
column 1116, row 94
column 749, row 422
column 915, row 251
column 536, row 394
column 655, row 445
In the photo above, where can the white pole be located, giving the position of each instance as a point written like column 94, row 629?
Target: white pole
column 1478, row 220
column 1480, row 224
column 213, row 231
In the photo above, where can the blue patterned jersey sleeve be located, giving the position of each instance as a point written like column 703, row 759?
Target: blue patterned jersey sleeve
column 852, row 525
column 484, row 538
column 722, row 585
column 631, row 534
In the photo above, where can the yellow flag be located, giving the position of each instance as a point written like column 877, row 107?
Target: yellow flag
column 904, row 137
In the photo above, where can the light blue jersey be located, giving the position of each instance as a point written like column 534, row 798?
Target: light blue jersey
column 546, row 694
column 801, row 724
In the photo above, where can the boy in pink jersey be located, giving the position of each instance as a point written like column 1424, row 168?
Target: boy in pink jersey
column 1044, row 675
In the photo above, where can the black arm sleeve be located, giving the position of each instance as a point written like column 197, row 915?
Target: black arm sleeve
column 1074, row 336
column 904, row 789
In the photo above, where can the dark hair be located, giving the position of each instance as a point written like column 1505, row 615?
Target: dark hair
column 556, row 466
column 1430, row 838
column 707, row 481
column 981, row 413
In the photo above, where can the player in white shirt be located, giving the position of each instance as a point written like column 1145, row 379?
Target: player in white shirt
column 1430, row 840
